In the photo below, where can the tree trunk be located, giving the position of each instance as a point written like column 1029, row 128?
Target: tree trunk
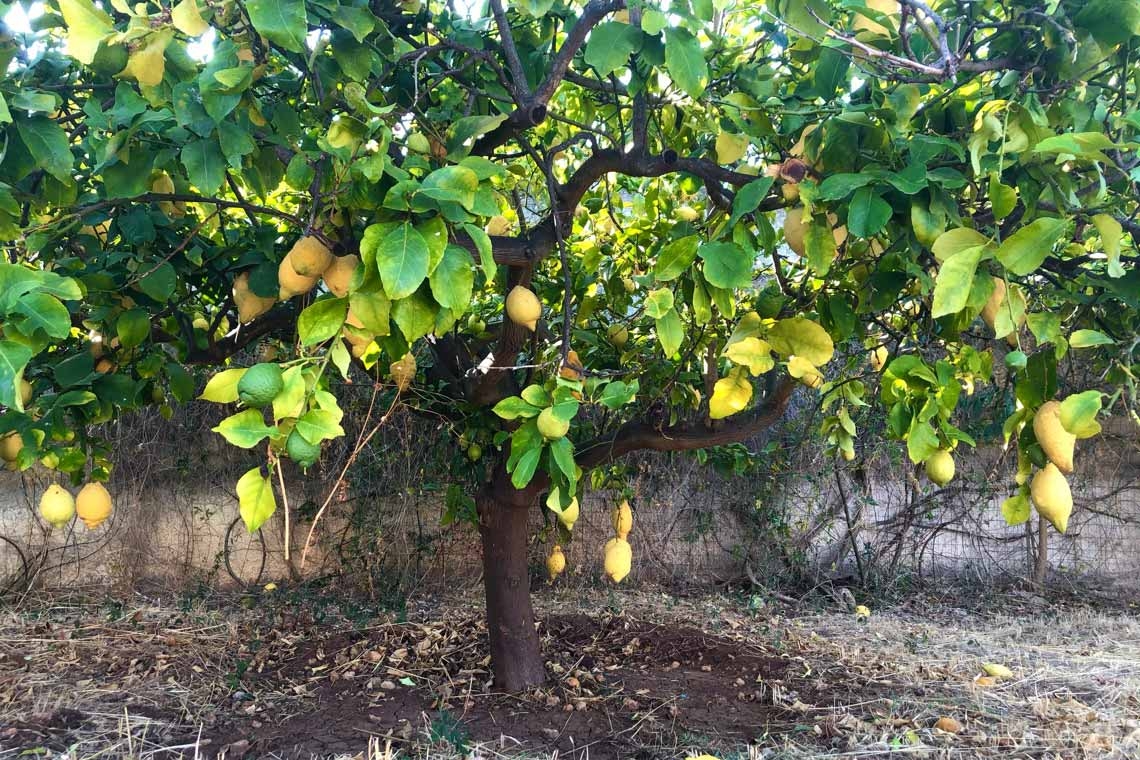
column 1041, row 568
column 516, row 658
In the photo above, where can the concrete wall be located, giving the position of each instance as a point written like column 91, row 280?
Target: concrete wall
column 175, row 504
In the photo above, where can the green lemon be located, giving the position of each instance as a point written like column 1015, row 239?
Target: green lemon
column 301, row 451
column 260, row 384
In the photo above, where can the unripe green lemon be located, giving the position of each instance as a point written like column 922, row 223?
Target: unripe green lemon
column 260, row 384
column 550, row 426
column 301, row 451
column 940, row 467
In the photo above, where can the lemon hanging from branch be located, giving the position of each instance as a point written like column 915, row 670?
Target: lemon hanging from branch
column 523, row 307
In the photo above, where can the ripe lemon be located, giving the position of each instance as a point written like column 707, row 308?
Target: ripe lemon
column 940, row 467
column 290, row 282
column 250, row 305
column 618, row 559
column 623, row 519
column 1056, row 442
column 309, row 257
column 338, row 275
column 1052, row 496
column 260, row 384
column 795, row 229
column 567, row 516
column 57, row 506
column 523, row 307
column 990, row 310
column 556, row 562
column 10, row 445
column 93, row 505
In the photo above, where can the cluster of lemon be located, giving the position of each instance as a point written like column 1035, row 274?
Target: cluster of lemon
column 92, row 505
column 308, row 262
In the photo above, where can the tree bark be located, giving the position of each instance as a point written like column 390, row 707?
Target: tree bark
column 516, row 657
column 1041, row 568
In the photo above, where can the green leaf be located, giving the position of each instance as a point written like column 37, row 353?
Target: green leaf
column 132, row 327
column 610, row 46
column 954, row 280
column 373, row 309
column 43, row 312
column 921, row 441
column 48, row 144
column 284, row 22
column 402, row 259
column 748, row 198
column 245, row 429
column 205, row 165
column 415, row 316
column 87, row 26
column 13, row 358
column 453, row 280
column 222, row 387
column 1079, row 413
column 562, row 452
column 685, row 61
column 830, row 72
column 819, row 247
column 290, row 400
column 317, row 425
column 1089, row 338
column 1003, row 198
column 839, row 186
column 486, row 250
column 1111, row 231
column 956, row 240
column 513, row 407
column 321, row 320
column 658, row 303
column 727, row 265
column 525, row 467
column 868, row 213
column 1015, row 509
column 676, row 258
column 670, row 332
column 1045, row 326
column 256, row 500
column 618, row 393
column 1110, row 22
column 457, row 184
column 159, row 282
column 1023, row 251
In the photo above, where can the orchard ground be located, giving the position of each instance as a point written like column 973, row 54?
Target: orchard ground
column 303, row 673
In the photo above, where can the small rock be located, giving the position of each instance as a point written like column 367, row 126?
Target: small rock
column 550, row 733
column 630, row 704
column 236, row 749
column 388, row 685
column 949, row 725
column 373, row 656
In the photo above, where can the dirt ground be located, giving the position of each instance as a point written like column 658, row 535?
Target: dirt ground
column 634, row 674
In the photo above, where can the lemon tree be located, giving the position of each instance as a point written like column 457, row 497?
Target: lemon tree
column 570, row 230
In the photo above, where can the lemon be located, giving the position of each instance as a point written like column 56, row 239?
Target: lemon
column 93, row 505
column 940, row 467
column 1056, row 442
column 309, row 257
column 1052, row 497
column 290, row 282
column 57, row 506
column 618, row 335
column 997, row 297
column 25, row 392
column 301, row 451
column 10, row 446
column 260, row 384
column 338, row 275
column 623, row 519
column 618, row 559
column 568, row 516
column 523, row 307
column 250, row 305
column 795, row 229
column 550, row 426
column 556, row 562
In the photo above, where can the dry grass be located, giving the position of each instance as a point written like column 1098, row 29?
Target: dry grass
column 863, row 690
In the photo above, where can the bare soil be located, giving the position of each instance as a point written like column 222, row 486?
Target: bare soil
column 633, row 675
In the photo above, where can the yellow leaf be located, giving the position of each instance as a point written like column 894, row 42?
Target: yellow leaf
column 147, row 64
column 753, row 353
column 997, row 671
column 87, row 26
column 749, row 326
column 731, row 394
column 801, row 337
column 803, row 370
column 188, row 19
column 730, row 148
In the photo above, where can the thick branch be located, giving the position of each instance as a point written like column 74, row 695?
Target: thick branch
column 686, row 437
